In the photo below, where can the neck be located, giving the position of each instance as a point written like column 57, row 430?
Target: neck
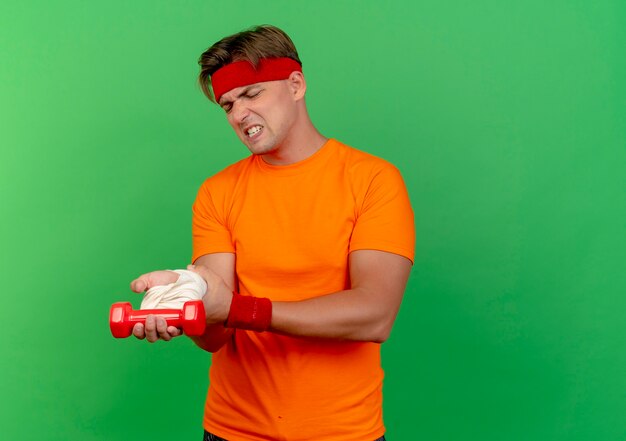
column 303, row 141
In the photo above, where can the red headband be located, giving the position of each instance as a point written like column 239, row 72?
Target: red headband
column 243, row 73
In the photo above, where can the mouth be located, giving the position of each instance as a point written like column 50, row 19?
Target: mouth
column 253, row 131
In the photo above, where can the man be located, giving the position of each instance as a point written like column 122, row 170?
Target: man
column 306, row 246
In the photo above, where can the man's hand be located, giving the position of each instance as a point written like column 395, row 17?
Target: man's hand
column 155, row 327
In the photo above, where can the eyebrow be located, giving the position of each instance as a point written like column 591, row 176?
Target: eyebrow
column 222, row 103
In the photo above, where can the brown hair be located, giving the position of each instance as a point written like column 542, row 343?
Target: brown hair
column 263, row 41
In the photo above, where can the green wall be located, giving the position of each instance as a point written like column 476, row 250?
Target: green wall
column 507, row 120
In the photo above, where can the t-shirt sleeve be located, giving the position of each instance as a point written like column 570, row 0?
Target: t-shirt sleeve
column 384, row 218
column 210, row 233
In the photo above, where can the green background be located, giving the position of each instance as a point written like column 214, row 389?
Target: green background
column 507, row 120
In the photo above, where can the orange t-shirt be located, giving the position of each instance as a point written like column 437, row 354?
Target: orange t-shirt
column 292, row 228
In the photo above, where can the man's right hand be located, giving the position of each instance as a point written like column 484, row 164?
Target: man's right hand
column 221, row 274
column 155, row 327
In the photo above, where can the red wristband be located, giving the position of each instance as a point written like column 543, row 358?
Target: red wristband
column 251, row 313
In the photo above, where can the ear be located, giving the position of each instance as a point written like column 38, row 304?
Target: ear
column 297, row 85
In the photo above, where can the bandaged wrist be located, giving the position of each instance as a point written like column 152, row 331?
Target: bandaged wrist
column 250, row 313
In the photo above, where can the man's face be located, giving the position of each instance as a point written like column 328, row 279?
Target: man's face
column 261, row 114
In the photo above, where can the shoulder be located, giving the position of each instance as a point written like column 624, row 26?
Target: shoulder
column 363, row 165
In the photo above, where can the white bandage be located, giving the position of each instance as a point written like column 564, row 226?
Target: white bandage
column 189, row 286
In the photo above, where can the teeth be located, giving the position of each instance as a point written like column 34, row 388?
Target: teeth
column 253, row 130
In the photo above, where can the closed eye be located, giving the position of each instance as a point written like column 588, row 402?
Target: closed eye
column 253, row 94
column 247, row 94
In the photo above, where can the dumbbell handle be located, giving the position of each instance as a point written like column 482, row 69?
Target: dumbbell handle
column 122, row 318
column 173, row 317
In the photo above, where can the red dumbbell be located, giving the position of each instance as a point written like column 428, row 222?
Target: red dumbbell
column 191, row 318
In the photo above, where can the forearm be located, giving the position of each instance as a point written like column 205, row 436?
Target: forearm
column 360, row 313
column 351, row 315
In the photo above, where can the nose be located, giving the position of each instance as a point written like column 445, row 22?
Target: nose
column 239, row 112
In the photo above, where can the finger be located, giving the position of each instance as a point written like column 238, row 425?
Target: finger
column 154, row 278
column 161, row 326
column 138, row 331
column 150, row 328
column 174, row 331
column 140, row 284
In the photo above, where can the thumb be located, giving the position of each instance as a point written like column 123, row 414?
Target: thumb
column 139, row 285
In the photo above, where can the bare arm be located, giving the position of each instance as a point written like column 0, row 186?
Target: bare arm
column 365, row 312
